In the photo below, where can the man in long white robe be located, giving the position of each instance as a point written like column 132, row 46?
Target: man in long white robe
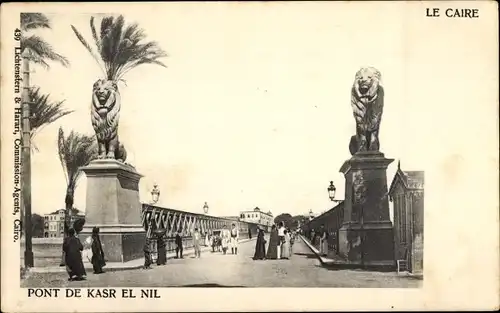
column 235, row 236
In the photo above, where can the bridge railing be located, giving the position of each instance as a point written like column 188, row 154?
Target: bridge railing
column 173, row 221
column 332, row 221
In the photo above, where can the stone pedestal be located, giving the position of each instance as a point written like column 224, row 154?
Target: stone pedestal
column 113, row 205
column 366, row 235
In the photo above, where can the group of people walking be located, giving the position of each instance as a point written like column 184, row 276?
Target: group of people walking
column 320, row 239
column 229, row 239
column 280, row 244
column 72, row 248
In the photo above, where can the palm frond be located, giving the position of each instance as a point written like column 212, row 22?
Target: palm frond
column 44, row 111
column 88, row 47
column 75, row 151
column 120, row 47
column 97, row 40
column 39, row 49
column 31, row 21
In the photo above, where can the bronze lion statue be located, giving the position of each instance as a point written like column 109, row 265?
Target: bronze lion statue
column 106, row 104
column 367, row 101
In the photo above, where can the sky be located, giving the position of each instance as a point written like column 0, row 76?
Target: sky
column 253, row 109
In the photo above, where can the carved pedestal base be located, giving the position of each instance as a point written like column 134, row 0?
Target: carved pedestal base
column 113, row 205
column 366, row 236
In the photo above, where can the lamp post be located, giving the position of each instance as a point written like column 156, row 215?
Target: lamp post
column 205, row 208
column 311, row 215
column 331, row 192
column 155, row 194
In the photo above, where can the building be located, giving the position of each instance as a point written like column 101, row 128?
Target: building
column 54, row 222
column 257, row 216
column 407, row 194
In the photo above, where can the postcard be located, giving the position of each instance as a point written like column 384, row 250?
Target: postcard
column 249, row 156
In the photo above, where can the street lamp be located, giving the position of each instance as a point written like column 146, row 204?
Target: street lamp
column 205, row 208
column 155, row 194
column 311, row 214
column 331, row 192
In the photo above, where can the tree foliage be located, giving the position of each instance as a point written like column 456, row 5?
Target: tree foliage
column 38, row 225
column 286, row 218
column 119, row 48
column 39, row 51
column 44, row 111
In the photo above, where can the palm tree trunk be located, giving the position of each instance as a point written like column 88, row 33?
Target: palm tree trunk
column 26, row 162
column 68, row 200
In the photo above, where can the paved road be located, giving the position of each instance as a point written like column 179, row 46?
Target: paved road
column 215, row 269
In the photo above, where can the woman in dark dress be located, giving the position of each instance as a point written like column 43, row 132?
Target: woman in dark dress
column 97, row 252
column 162, row 251
column 72, row 248
column 260, row 246
column 272, row 250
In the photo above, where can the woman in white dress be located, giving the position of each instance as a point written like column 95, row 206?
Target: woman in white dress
column 226, row 237
column 207, row 241
column 285, row 248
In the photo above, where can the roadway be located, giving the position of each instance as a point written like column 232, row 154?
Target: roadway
column 218, row 270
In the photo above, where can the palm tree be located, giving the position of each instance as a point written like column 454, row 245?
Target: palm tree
column 39, row 51
column 44, row 111
column 75, row 151
column 33, row 49
column 119, row 48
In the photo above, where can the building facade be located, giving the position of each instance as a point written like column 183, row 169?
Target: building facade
column 257, row 216
column 407, row 194
column 54, row 222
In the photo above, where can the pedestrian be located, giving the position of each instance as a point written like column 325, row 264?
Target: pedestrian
column 281, row 238
column 97, row 260
column 250, row 232
column 147, row 254
column 196, row 243
column 323, row 241
column 235, row 236
column 161, row 247
column 272, row 249
column 72, row 248
column 225, row 238
column 285, row 247
column 313, row 237
column 260, row 246
column 178, row 243
column 207, row 240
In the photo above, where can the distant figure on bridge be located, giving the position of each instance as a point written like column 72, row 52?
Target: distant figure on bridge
column 272, row 249
column 162, row 248
column 197, row 243
column 178, row 243
column 260, row 246
column 207, row 241
column 313, row 237
column 235, row 236
column 225, row 238
column 323, row 241
column 147, row 254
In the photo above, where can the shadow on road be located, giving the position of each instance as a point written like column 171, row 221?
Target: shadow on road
column 209, row 285
column 308, row 255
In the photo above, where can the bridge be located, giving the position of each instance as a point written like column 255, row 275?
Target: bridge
column 305, row 268
column 172, row 221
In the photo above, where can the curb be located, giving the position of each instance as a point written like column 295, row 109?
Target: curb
column 346, row 266
column 122, row 267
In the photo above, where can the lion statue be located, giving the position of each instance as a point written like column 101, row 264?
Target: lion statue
column 106, row 104
column 367, row 101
